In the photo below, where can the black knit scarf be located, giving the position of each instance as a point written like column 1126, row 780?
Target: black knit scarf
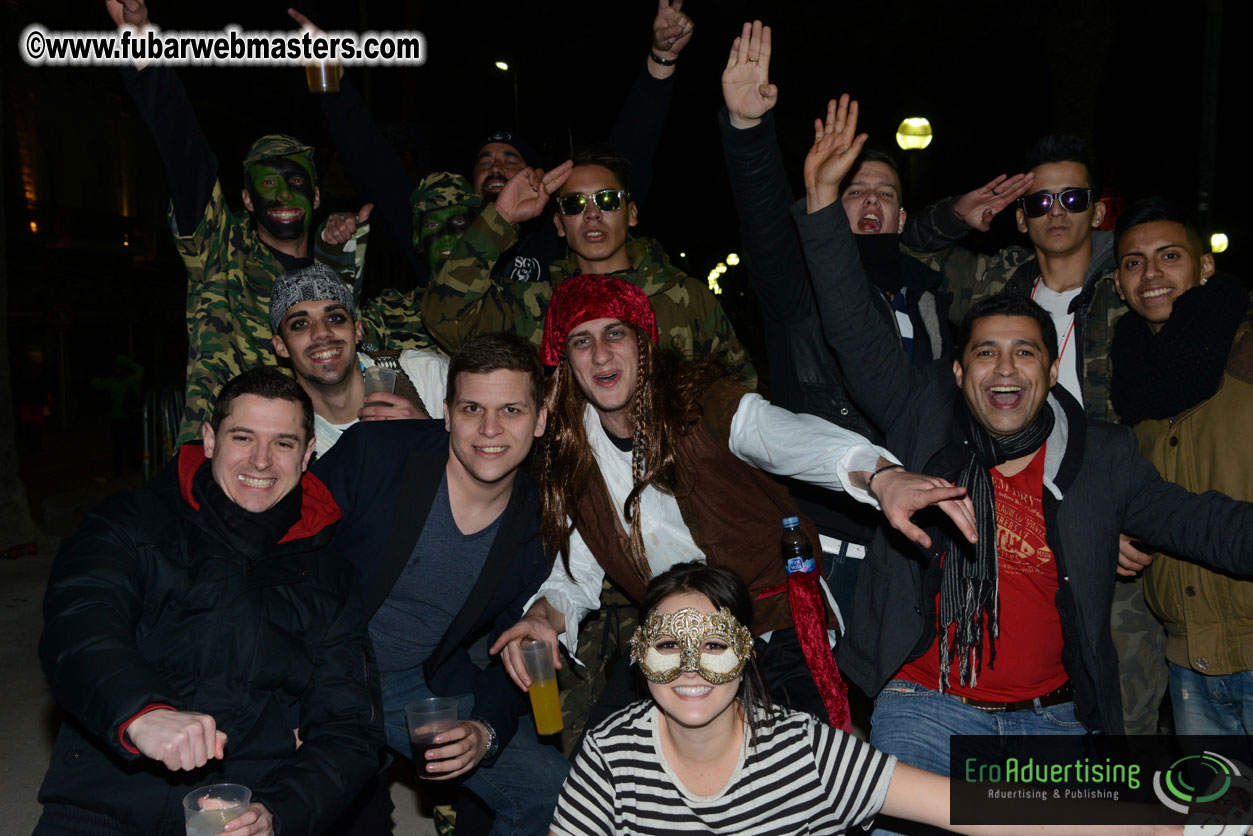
column 1160, row 375
column 249, row 533
column 969, row 594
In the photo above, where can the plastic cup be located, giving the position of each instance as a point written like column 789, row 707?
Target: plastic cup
column 322, row 77
column 207, row 810
column 537, row 655
column 428, row 718
column 378, row 379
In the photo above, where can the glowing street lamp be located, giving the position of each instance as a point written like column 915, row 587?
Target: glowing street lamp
column 1218, row 242
column 733, row 259
column 914, row 133
column 720, row 269
column 502, row 66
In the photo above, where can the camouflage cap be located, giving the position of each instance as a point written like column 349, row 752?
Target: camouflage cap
column 442, row 189
column 308, row 284
column 279, row 145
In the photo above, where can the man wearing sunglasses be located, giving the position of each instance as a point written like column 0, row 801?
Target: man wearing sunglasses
column 594, row 214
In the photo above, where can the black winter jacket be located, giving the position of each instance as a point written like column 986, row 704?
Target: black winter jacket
column 1101, row 486
column 148, row 605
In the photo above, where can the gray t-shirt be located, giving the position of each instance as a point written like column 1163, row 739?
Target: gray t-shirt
column 431, row 589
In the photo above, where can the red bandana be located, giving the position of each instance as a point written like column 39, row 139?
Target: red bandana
column 589, row 297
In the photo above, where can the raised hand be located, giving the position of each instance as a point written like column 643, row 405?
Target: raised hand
column 341, row 226
column 526, row 194
column 836, row 146
column 978, row 207
column 179, row 739
column 746, row 86
column 127, row 12
column 304, row 21
column 671, row 30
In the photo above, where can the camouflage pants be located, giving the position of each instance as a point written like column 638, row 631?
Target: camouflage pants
column 604, row 642
column 1141, row 643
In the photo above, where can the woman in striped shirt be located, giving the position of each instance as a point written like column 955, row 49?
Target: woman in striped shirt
column 696, row 758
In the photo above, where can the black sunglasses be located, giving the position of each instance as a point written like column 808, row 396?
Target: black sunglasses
column 606, row 200
column 1072, row 200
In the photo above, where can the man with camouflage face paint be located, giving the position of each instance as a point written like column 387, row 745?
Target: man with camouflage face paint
column 232, row 258
column 444, row 204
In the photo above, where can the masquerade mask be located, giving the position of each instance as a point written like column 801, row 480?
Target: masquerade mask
column 714, row 645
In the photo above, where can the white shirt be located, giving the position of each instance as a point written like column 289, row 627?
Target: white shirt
column 762, row 435
column 427, row 369
column 1057, row 304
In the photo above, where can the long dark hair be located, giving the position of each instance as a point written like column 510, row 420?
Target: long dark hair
column 667, row 401
column 723, row 588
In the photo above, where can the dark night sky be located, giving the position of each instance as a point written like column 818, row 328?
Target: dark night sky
column 991, row 76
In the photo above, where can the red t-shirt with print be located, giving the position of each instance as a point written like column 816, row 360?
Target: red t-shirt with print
column 1029, row 649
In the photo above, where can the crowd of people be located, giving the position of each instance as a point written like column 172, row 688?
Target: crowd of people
column 1022, row 475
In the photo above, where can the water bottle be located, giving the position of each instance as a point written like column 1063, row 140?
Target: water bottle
column 798, row 552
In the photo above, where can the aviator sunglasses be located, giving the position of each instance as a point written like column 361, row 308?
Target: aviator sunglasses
column 1072, row 200
column 606, row 200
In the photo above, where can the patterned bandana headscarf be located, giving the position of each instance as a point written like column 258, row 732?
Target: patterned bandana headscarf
column 308, row 284
column 588, row 297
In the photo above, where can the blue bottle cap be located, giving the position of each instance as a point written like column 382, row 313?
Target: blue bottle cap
column 791, row 522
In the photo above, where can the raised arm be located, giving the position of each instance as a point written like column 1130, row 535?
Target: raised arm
column 877, row 370
column 637, row 131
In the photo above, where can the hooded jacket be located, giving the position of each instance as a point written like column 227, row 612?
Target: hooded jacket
column 148, row 604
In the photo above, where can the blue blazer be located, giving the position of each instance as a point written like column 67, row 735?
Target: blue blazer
column 385, row 475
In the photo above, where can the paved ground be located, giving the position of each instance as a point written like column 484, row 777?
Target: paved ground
column 67, row 487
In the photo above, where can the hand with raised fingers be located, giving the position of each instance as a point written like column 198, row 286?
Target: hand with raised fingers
column 527, row 192
column 127, row 12
column 835, row 149
column 746, row 86
column 672, row 30
column 341, row 226
column 978, row 207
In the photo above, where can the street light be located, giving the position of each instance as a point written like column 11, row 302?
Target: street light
column 914, row 133
column 1218, row 242
column 720, row 269
column 733, row 259
column 502, row 66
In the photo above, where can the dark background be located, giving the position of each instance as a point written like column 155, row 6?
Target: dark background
column 92, row 271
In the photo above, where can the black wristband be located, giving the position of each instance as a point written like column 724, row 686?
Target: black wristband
column 876, row 473
column 665, row 62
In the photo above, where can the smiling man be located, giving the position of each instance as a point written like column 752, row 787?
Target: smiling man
column 1183, row 379
column 316, row 330
column 203, row 630
column 1017, row 638
column 594, row 215
column 440, row 522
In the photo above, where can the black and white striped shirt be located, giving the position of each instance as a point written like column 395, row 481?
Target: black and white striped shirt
column 802, row 777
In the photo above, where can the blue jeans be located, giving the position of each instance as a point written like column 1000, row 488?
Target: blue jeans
column 521, row 787
column 915, row 723
column 1211, row 704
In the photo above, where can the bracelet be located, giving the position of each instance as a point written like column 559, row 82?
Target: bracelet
column 665, row 62
column 493, row 744
column 876, row 473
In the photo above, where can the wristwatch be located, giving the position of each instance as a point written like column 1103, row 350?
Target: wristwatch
column 493, row 743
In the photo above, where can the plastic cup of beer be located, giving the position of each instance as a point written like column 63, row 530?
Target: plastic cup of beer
column 537, row 655
column 428, row 718
column 378, row 379
column 207, row 810
column 322, row 77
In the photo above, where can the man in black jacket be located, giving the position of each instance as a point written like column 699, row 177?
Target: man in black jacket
column 203, row 630
column 1024, row 642
column 441, row 525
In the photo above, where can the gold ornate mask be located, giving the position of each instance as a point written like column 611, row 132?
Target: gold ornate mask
column 714, row 645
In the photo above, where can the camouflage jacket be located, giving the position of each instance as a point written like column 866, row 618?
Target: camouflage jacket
column 970, row 276
column 463, row 300
column 229, row 276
